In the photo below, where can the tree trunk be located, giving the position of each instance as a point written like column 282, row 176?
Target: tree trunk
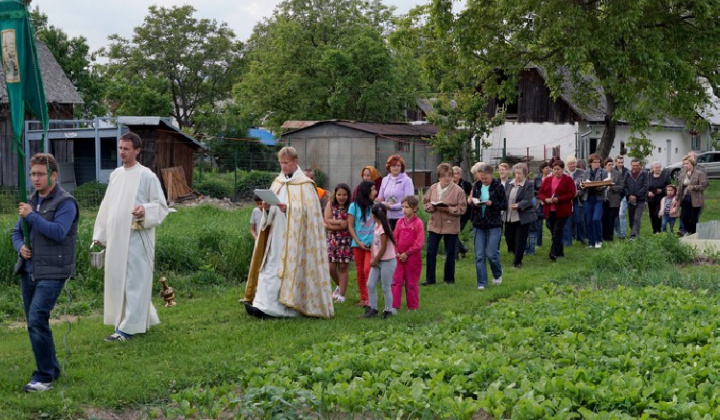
column 608, row 137
column 465, row 164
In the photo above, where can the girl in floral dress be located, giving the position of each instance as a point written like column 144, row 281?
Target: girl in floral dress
column 338, row 242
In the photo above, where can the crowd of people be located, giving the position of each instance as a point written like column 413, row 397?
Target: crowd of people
column 377, row 228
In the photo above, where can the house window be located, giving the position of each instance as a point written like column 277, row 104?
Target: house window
column 108, row 153
column 695, row 143
column 402, row 146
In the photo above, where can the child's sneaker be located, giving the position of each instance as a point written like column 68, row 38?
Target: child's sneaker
column 336, row 293
column 369, row 313
column 481, row 287
column 497, row 281
column 35, row 386
column 339, row 299
column 386, row 314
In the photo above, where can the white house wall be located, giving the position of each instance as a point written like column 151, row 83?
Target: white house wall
column 671, row 144
column 539, row 139
column 535, row 139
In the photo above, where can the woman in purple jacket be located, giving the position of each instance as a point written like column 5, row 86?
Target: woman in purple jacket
column 395, row 186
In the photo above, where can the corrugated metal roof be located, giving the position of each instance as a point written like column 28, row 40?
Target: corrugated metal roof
column 378, row 129
column 58, row 87
column 156, row 122
column 295, row 124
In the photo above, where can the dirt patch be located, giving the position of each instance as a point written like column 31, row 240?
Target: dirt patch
column 202, row 200
column 53, row 321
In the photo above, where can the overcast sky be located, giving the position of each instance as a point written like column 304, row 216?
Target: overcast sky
column 96, row 19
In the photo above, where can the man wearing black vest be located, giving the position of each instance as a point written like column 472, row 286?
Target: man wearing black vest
column 45, row 265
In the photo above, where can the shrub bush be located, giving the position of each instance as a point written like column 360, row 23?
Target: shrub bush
column 90, row 194
column 254, row 180
column 215, row 187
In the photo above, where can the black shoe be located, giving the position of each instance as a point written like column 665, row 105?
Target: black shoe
column 518, row 265
column 369, row 313
column 553, row 257
column 386, row 314
column 463, row 254
column 450, row 282
column 427, row 283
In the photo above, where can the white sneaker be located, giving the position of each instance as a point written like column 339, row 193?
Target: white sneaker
column 497, row 281
column 35, row 386
column 336, row 292
column 339, row 299
column 598, row 245
column 481, row 287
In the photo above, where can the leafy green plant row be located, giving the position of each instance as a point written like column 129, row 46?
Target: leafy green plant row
column 555, row 352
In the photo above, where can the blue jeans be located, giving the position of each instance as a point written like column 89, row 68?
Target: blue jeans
column 576, row 221
column 621, row 221
column 593, row 219
column 668, row 221
column 534, row 235
column 433, row 241
column 486, row 248
column 39, row 297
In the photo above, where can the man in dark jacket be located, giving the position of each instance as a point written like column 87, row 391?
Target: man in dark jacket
column 45, row 262
column 635, row 187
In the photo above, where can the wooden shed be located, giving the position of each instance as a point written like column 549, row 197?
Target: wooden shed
column 93, row 146
column 61, row 97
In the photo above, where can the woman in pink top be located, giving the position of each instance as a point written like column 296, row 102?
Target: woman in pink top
column 382, row 263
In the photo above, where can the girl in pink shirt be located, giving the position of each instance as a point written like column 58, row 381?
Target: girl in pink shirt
column 382, row 263
column 409, row 237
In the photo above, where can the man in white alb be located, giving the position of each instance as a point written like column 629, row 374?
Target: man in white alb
column 134, row 204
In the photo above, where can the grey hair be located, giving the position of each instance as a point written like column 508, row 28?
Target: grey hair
column 657, row 163
column 487, row 168
column 476, row 167
column 522, row 167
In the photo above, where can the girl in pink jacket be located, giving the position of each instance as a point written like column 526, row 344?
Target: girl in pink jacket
column 409, row 238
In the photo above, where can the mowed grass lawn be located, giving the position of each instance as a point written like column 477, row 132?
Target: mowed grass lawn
column 208, row 339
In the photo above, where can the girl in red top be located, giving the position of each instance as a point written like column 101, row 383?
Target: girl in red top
column 556, row 194
column 409, row 237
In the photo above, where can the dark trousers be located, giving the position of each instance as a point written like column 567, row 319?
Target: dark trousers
column 393, row 223
column 610, row 214
column 557, row 224
column 39, row 298
column 654, row 209
column 689, row 216
column 516, row 236
column 433, row 241
column 635, row 212
column 460, row 248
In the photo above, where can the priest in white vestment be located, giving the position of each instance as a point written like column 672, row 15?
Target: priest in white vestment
column 289, row 273
column 134, row 204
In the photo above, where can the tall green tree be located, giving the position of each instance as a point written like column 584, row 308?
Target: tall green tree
column 459, row 107
column 322, row 59
column 174, row 64
column 78, row 64
column 645, row 58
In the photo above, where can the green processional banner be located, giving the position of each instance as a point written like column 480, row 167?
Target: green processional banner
column 22, row 76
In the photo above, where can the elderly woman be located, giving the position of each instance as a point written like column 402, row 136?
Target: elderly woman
column 487, row 201
column 691, row 184
column 395, row 186
column 656, row 191
column 520, row 212
column 593, row 199
column 613, row 198
column 557, row 193
column 445, row 201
